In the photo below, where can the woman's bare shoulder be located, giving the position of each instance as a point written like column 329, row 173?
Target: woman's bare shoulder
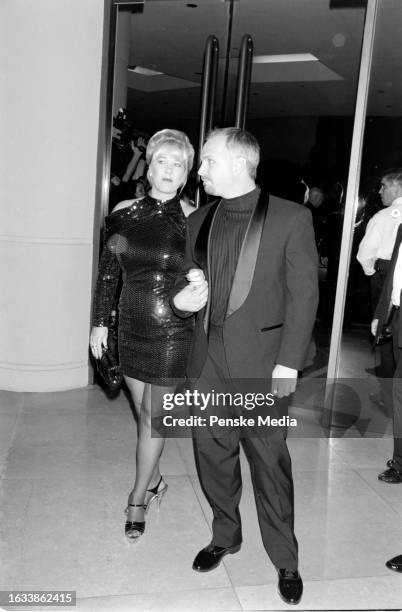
column 125, row 204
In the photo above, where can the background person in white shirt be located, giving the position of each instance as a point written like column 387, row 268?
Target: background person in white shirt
column 374, row 255
column 376, row 247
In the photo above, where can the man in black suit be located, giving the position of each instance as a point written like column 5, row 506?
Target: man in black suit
column 387, row 315
column 257, row 254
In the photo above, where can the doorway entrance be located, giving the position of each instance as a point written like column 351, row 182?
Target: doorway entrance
column 301, row 101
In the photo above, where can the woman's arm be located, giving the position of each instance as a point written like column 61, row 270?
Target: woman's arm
column 105, row 292
column 136, row 161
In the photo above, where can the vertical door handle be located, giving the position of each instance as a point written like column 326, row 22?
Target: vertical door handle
column 243, row 80
column 208, row 96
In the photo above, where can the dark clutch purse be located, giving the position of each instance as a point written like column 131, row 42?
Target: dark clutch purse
column 108, row 365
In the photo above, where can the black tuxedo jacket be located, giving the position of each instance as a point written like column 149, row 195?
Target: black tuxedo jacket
column 384, row 303
column 274, row 296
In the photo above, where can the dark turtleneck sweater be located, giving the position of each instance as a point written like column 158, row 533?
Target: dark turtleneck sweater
column 228, row 232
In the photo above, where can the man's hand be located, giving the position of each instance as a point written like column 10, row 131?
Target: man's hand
column 283, row 381
column 192, row 298
column 374, row 325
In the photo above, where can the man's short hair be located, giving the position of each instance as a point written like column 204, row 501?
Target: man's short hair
column 393, row 174
column 244, row 142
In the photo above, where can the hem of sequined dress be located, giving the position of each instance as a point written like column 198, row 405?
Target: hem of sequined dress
column 168, row 381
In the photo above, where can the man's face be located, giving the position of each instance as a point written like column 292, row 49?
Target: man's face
column 316, row 197
column 217, row 167
column 388, row 191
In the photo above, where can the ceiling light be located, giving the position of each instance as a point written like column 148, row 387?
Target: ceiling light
column 284, row 58
column 347, row 4
column 295, row 68
column 143, row 71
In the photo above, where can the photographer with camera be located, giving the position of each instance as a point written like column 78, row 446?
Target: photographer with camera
column 128, row 163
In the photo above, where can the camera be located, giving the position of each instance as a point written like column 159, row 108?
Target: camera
column 121, row 123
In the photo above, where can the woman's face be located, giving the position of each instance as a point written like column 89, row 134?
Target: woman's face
column 167, row 171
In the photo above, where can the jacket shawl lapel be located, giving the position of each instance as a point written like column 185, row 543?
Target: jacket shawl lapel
column 244, row 273
column 203, row 255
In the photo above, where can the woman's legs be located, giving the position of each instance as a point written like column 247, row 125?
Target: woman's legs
column 148, row 402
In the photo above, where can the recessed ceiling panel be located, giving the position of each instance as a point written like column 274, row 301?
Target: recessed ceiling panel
column 294, row 72
column 158, row 82
column 170, row 37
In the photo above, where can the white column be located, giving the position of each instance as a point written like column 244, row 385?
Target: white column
column 50, row 70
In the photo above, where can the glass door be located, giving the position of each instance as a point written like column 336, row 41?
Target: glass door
column 366, row 368
column 158, row 77
column 301, row 106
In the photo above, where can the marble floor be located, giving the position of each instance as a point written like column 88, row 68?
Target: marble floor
column 66, row 467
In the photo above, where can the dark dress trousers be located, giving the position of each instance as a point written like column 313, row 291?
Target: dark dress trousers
column 269, row 318
column 382, row 313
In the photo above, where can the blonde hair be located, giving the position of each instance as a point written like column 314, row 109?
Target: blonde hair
column 175, row 138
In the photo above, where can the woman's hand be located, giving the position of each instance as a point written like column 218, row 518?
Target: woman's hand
column 98, row 340
column 195, row 295
column 196, row 277
column 134, row 147
column 141, row 144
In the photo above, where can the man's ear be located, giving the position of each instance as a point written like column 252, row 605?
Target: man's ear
column 239, row 165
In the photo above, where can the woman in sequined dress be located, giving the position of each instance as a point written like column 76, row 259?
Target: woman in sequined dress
column 145, row 240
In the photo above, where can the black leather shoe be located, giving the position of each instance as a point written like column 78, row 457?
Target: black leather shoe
column 392, row 476
column 391, row 463
column 395, row 564
column 209, row 557
column 290, row 586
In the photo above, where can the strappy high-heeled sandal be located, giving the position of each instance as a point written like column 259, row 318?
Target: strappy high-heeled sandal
column 134, row 529
column 157, row 494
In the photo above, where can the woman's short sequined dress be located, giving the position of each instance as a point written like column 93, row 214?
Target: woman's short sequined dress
column 146, row 242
